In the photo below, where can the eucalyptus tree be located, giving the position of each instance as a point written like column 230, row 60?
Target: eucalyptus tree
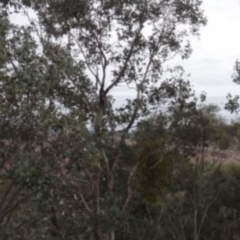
column 232, row 104
column 61, row 72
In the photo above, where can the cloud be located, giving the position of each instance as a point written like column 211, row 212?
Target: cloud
column 214, row 53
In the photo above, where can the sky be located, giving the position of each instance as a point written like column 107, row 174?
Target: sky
column 214, row 53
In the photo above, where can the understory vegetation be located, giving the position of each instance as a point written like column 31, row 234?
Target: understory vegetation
column 75, row 164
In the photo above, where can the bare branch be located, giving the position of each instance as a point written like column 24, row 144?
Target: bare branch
column 129, row 190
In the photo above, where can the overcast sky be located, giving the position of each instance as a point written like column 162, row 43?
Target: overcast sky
column 214, row 53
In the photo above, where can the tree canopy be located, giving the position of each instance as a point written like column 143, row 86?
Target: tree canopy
column 73, row 163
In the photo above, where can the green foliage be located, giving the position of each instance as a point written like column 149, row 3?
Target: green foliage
column 230, row 190
column 154, row 170
column 66, row 170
